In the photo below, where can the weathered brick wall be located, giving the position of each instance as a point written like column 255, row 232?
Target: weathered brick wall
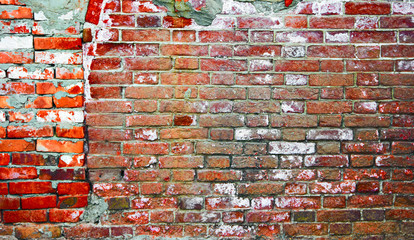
column 261, row 125
column 42, row 173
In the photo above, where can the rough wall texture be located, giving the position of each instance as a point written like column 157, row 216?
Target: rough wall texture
column 42, row 172
column 263, row 125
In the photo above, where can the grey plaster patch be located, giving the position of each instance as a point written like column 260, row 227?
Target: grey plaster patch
column 95, row 209
column 203, row 15
column 60, row 94
column 60, row 14
column 17, row 101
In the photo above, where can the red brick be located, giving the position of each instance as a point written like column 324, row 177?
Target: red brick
column 397, row 107
column 159, row 230
column 223, row 36
column 64, row 215
column 296, row 66
column 146, row 35
column 328, row 107
column 334, row 202
column 184, row 50
column 16, row 146
column 396, row 22
column 148, row 63
column 24, row 216
column 331, row 51
column 314, row 229
column 59, row 146
column 397, row 51
column 369, row 65
column 398, row 187
column 338, row 216
column 70, row 132
column 105, row 63
column 146, row 148
column 58, row 43
column 362, row 160
column 110, row 78
column 86, row 231
column 369, row 228
column 16, row 57
column 365, row 147
column 183, row 36
column 18, row 173
column 114, row 49
column 368, row 52
column 296, row 21
column 259, row 22
column 94, row 11
column 39, row 202
column 331, row 80
column 73, row 188
column 332, row 22
column 17, row 13
column 373, row 37
column 108, row 107
column 362, row 8
column 3, row 189
column 249, row 50
column 27, row 131
column 120, row 21
column 9, row 203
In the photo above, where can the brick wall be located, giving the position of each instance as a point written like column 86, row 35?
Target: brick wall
column 262, row 125
column 42, row 173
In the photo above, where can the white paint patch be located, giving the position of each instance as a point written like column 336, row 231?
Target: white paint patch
column 220, row 22
column 330, row 134
column 292, row 37
column 58, row 58
column 403, row 8
column 21, row 72
column 103, row 35
column 262, row 203
column 68, row 159
column 328, row 7
column 306, row 175
column 406, row 65
column 262, row 133
column 366, row 22
column 231, row 230
column 13, row 42
column 296, row 80
column 62, row 116
column 137, row 215
column 68, row 16
column 260, row 65
column 370, row 106
column 2, row 116
column 238, row 8
column 294, row 51
column 2, row 74
column 147, row 134
column 293, row 107
column 340, row 37
column 225, row 188
column 291, row 148
column 40, row 16
column 281, row 175
column 240, row 202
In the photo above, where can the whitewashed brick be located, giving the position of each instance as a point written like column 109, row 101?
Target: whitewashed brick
column 291, row 148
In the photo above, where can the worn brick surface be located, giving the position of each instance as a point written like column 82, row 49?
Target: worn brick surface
column 263, row 125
